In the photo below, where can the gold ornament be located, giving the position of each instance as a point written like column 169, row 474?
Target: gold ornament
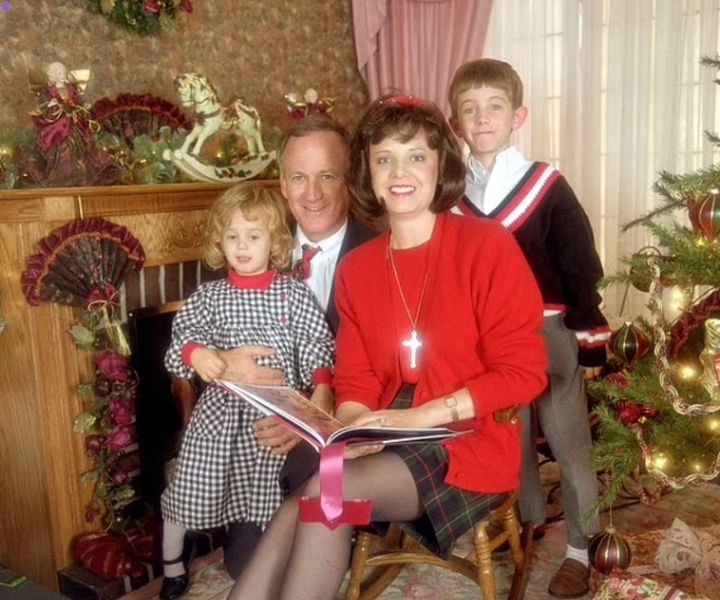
column 710, row 359
column 6, row 152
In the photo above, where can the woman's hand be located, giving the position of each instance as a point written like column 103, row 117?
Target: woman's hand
column 272, row 434
column 410, row 418
column 207, row 363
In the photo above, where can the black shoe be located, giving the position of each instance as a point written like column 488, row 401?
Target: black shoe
column 174, row 587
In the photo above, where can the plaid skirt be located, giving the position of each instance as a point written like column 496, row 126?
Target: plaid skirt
column 449, row 511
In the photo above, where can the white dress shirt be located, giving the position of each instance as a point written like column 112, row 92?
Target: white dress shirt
column 322, row 265
column 487, row 188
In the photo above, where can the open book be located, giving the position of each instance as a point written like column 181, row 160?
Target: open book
column 318, row 427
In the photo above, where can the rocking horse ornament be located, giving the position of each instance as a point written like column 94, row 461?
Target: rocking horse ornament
column 211, row 118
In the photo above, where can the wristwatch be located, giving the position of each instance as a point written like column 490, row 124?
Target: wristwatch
column 451, row 404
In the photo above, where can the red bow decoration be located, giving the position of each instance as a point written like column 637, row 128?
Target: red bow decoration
column 330, row 508
column 403, row 101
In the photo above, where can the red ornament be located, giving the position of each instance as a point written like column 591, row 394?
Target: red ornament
column 608, row 551
column 628, row 412
column 629, row 343
column 617, row 379
column 705, row 215
column 641, row 275
column 108, row 555
column 152, row 6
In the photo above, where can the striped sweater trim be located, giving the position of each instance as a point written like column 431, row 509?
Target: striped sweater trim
column 524, row 203
column 521, row 202
column 593, row 338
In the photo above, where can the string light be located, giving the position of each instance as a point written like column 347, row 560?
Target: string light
column 660, row 461
column 687, row 372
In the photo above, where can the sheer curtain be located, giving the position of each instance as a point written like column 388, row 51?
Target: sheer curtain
column 414, row 46
column 616, row 94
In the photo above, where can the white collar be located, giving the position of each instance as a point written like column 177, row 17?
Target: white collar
column 327, row 244
column 508, row 160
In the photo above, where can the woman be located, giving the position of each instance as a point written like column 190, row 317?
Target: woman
column 439, row 324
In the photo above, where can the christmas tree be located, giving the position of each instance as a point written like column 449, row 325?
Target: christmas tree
column 658, row 410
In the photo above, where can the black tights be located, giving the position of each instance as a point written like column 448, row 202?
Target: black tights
column 308, row 560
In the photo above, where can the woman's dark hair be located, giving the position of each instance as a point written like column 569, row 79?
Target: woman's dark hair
column 404, row 117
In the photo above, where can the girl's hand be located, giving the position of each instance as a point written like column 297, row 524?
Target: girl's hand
column 208, row 363
column 272, row 434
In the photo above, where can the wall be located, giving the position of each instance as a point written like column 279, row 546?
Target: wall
column 258, row 49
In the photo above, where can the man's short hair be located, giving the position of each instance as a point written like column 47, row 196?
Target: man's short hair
column 308, row 125
column 486, row 72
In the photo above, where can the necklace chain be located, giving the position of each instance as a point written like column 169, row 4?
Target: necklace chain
column 413, row 322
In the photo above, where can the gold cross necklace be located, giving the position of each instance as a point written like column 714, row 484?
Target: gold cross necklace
column 413, row 343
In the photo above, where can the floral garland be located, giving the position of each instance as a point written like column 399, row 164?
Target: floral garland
column 144, row 17
column 83, row 264
column 108, row 421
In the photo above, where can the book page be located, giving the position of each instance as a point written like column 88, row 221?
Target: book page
column 321, row 429
column 290, row 406
column 391, row 435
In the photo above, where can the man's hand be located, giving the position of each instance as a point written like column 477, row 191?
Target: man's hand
column 241, row 366
column 207, row 363
column 272, row 434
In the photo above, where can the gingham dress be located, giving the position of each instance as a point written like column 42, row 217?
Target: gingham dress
column 222, row 473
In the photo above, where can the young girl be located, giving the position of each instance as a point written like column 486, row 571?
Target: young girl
column 223, row 474
column 439, row 324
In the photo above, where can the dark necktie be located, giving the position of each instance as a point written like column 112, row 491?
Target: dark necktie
column 301, row 270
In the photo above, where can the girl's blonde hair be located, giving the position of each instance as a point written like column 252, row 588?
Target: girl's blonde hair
column 256, row 204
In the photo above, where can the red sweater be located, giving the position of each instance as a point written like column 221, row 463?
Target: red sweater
column 480, row 326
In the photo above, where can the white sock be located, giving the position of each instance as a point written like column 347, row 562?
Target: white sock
column 578, row 554
column 173, row 538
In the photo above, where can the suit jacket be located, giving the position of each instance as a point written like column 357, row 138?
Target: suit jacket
column 355, row 234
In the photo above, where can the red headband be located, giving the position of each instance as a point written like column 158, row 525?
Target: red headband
column 402, row 101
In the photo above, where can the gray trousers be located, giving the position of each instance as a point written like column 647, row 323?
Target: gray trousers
column 563, row 415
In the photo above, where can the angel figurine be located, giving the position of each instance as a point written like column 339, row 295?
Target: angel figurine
column 66, row 153
column 310, row 104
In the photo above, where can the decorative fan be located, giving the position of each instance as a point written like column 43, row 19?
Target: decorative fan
column 129, row 116
column 82, row 262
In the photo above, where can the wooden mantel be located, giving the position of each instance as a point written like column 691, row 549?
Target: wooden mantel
column 41, row 501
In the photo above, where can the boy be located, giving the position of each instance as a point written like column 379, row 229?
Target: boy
column 536, row 203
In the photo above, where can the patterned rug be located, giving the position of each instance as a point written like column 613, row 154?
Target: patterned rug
column 642, row 526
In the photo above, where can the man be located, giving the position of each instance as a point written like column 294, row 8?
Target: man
column 312, row 156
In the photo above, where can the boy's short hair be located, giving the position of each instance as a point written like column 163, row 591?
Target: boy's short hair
column 404, row 116
column 486, row 72
column 256, row 203
column 308, row 125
